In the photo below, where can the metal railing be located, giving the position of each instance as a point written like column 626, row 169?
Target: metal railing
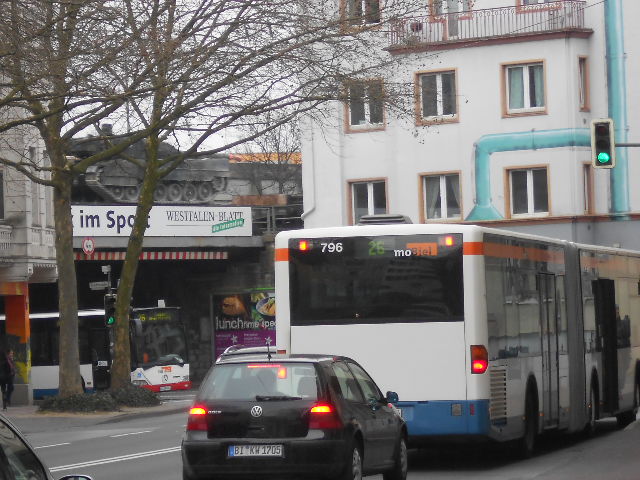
column 488, row 23
column 273, row 219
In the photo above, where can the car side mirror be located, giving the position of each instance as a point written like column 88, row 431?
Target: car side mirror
column 374, row 403
column 392, row 397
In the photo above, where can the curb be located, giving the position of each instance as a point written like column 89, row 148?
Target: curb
column 145, row 413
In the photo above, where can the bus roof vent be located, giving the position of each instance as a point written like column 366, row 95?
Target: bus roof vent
column 383, row 219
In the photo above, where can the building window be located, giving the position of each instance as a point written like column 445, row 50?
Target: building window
column 365, row 104
column 529, row 193
column 440, row 7
column 1, row 194
column 438, row 99
column 358, row 12
column 583, row 84
column 441, row 196
column 587, row 188
column 525, row 88
column 368, row 198
column 48, row 191
column 35, row 189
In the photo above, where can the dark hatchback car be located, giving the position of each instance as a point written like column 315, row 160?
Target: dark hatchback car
column 293, row 416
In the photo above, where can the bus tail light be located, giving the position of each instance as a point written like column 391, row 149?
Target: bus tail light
column 323, row 416
column 479, row 359
column 197, row 419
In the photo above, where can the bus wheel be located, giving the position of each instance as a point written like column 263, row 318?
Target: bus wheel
column 593, row 410
column 527, row 443
column 628, row 417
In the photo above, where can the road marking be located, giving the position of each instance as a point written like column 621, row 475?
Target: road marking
column 122, row 458
column 132, row 433
column 54, row 445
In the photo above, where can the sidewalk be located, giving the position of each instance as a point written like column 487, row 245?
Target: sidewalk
column 29, row 420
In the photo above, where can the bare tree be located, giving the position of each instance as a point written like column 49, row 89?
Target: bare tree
column 271, row 162
column 185, row 72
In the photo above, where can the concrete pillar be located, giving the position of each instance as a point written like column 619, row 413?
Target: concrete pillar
column 18, row 336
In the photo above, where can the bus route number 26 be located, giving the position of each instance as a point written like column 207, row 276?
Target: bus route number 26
column 332, row 247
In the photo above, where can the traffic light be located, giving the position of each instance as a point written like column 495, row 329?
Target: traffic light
column 603, row 145
column 110, row 309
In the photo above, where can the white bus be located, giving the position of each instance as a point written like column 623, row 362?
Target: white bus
column 94, row 350
column 159, row 355
column 483, row 333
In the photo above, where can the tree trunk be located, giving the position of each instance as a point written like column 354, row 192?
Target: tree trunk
column 69, row 357
column 121, row 368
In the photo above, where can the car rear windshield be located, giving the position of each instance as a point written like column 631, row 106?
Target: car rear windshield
column 382, row 279
column 256, row 381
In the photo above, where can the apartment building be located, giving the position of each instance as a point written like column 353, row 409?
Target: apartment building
column 504, row 93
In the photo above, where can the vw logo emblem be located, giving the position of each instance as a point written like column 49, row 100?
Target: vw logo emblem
column 256, row 411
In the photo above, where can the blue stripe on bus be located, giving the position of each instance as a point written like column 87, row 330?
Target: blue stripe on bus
column 437, row 417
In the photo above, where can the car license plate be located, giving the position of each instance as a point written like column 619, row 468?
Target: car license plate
column 255, row 451
column 165, row 389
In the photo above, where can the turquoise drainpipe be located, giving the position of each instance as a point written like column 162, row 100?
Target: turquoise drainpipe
column 617, row 98
column 509, row 142
column 617, row 83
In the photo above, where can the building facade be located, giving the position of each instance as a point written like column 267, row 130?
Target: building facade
column 27, row 253
column 504, row 92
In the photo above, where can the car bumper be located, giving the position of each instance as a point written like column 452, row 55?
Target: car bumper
column 302, row 458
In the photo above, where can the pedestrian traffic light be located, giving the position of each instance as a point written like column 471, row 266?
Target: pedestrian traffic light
column 110, row 309
column 603, row 145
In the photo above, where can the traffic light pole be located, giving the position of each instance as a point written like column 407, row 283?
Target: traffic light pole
column 627, row 144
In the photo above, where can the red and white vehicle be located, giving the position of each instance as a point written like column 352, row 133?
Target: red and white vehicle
column 159, row 349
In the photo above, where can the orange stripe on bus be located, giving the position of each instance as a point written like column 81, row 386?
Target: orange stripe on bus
column 282, row 254
column 473, row 248
column 499, row 250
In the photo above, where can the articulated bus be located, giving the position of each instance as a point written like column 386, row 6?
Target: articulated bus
column 159, row 359
column 485, row 334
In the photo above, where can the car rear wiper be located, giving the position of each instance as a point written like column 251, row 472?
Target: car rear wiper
column 266, row 398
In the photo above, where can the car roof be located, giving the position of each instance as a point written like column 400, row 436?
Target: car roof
column 260, row 354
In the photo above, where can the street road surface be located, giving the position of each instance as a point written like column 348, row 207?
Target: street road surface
column 149, row 449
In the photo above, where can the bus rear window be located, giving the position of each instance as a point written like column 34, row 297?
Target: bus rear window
column 385, row 279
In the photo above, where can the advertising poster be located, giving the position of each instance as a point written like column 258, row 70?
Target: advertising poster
column 247, row 319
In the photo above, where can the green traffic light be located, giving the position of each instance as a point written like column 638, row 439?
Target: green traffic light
column 111, row 320
column 604, row 157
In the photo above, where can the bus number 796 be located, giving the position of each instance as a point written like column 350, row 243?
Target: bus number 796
column 331, row 247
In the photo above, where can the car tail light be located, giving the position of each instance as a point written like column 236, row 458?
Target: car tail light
column 323, row 416
column 479, row 359
column 197, row 420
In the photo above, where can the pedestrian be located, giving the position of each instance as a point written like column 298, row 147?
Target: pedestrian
column 7, row 372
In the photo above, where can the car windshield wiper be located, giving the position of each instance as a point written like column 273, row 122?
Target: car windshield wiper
column 266, row 398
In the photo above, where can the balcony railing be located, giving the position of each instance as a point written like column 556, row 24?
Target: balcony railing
column 490, row 23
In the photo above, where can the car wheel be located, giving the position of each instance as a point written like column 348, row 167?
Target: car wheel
column 353, row 469
column 400, row 465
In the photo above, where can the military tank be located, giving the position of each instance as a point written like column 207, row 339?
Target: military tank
column 197, row 180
